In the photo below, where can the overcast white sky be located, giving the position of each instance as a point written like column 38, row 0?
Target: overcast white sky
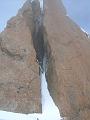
column 78, row 10
column 8, row 8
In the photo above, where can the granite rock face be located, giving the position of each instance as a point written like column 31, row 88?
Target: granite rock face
column 68, row 72
column 19, row 71
column 67, row 50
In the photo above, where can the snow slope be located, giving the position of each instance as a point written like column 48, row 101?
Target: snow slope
column 49, row 109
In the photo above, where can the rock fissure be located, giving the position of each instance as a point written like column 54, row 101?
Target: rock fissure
column 38, row 32
column 39, row 36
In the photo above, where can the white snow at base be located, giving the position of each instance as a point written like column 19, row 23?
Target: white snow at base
column 18, row 116
column 49, row 109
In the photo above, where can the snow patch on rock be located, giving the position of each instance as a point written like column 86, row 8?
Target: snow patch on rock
column 86, row 33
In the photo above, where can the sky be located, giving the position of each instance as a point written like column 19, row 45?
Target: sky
column 8, row 8
column 78, row 10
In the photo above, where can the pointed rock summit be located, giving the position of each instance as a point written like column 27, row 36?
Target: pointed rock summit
column 68, row 72
column 19, row 71
column 66, row 49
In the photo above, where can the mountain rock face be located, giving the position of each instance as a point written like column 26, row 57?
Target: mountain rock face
column 67, row 50
column 19, row 71
column 68, row 72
